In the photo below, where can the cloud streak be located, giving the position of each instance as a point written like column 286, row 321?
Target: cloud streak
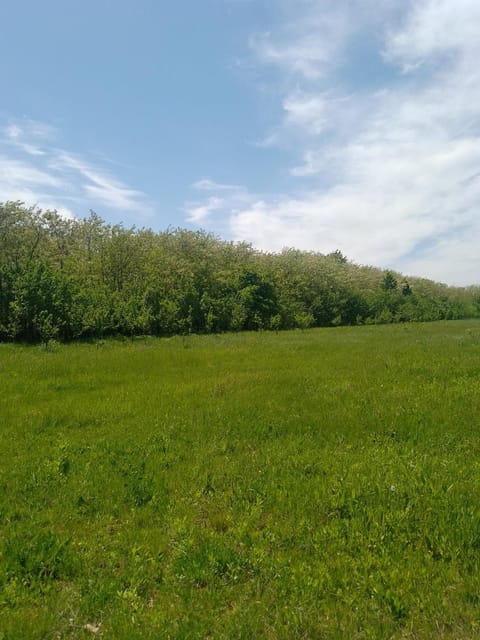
column 228, row 197
column 34, row 170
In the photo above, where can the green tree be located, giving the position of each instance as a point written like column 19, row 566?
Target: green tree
column 257, row 297
column 389, row 282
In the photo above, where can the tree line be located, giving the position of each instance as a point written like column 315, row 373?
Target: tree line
column 68, row 279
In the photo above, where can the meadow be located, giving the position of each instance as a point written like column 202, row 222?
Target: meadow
column 322, row 483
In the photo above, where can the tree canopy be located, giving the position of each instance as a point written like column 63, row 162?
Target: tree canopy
column 68, row 279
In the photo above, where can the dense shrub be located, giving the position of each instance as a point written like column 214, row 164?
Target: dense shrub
column 64, row 279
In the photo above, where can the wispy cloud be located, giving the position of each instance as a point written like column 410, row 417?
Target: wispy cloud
column 200, row 212
column 433, row 28
column 97, row 184
column 308, row 42
column 205, row 184
column 33, row 169
column 16, row 136
column 389, row 172
column 229, row 197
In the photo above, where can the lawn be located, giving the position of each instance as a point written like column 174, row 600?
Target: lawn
column 306, row 484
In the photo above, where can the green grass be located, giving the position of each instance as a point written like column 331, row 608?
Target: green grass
column 315, row 484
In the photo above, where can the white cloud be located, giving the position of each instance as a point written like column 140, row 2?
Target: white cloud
column 434, row 27
column 230, row 197
column 205, row 184
column 309, row 111
column 200, row 212
column 15, row 173
column 310, row 56
column 313, row 35
column 100, row 186
column 16, row 136
column 393, row 169
column 35, row 171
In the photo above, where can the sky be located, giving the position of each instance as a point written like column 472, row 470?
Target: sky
column 315, row 124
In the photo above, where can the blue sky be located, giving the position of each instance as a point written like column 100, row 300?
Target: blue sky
column 318, row 124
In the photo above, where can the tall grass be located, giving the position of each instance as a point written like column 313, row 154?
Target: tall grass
column 307, row 484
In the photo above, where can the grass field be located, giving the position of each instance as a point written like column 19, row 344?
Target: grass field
column 306, row 484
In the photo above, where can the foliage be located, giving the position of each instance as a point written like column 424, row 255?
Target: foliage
column 65, row 279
